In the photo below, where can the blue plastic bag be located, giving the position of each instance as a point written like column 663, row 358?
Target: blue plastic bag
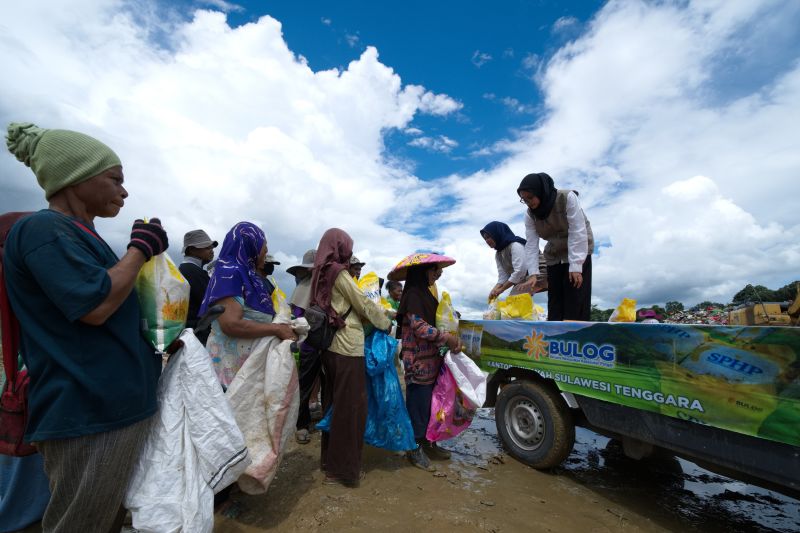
column 388, row 424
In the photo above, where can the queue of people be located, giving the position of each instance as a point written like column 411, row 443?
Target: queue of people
column 94, row 377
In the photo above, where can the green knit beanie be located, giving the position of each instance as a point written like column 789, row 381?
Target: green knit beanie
column 59, row 158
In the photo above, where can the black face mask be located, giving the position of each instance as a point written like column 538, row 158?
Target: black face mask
column 269, row 268
column 303, row 274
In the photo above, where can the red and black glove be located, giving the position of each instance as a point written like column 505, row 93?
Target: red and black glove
column 148, row 237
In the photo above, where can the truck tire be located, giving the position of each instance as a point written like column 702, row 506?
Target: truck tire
column 534, row 424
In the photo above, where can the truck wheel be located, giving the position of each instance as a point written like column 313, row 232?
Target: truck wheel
column 534, row 424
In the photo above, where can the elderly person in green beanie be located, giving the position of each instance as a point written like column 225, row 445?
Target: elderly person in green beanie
column 93, row 375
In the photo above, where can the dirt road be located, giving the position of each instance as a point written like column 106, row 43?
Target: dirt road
column 483, row 489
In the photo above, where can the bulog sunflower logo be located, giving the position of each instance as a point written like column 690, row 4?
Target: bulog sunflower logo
column 536, row 346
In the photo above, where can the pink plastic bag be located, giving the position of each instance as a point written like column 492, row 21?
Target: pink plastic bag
column 451, row 412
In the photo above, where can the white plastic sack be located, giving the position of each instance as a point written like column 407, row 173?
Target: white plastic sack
column 492, row 312
column 470, row 379
column 193, row 450
column 265, row 398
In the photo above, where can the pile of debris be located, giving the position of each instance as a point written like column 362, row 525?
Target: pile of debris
column 717, row 316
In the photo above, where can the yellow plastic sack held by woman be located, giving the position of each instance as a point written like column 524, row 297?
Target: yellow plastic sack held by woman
column 280, row 303
column 445, row 316
column 164, row 299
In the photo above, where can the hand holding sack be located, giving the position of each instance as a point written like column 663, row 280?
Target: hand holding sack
column 456, row 394
column 516, row 307
column 492, row 312
column 163, row 292
column 460, row 389
column 149, row 237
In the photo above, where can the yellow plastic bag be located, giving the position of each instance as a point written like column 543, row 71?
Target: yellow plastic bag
column 516, row 307
column 370, row 285
column 625, row 311
column 445, row 316
column 280, row 303
column 164, row 300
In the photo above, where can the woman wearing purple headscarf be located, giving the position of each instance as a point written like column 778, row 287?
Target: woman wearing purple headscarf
column 237, row 287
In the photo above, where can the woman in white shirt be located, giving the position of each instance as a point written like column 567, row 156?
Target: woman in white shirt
column 510, row 257
column 556, row 216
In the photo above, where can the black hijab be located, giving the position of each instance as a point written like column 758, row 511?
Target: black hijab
column 501, row 234
column 417, row 298
column 540, row 185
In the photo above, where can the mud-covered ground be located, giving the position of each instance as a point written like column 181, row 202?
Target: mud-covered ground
column 483, row 489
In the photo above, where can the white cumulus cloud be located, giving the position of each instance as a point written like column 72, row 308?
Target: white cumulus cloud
column 436, row 104
column 675, row 121
column 690, row 188
column 217, row 125
column 440, row 143
column 222, row 5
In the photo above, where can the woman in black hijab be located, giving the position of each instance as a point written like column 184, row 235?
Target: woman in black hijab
column 509, row 256
column 556, row 216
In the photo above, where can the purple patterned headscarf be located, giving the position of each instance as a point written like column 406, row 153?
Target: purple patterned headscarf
column 235, row 271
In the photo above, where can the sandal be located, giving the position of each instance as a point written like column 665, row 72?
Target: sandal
column 435, row 452
column 418, row 458
column 302, row 436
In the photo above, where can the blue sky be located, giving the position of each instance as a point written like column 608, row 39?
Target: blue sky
column 484, row 58
column 410, row 126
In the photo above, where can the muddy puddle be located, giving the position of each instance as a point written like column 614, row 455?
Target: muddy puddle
column 674, row 493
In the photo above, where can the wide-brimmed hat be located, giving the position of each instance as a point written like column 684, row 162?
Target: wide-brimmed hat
column 400, row 270
column 197, row 238
column 308, row 263
column 356, row 261
column 271, row 259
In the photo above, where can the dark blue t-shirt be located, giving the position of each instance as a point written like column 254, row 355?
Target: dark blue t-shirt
column 84, row 379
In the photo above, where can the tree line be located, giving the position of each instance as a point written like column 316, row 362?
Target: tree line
column 749, row 294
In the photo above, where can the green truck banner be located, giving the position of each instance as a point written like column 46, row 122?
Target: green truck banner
column 743, row 379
